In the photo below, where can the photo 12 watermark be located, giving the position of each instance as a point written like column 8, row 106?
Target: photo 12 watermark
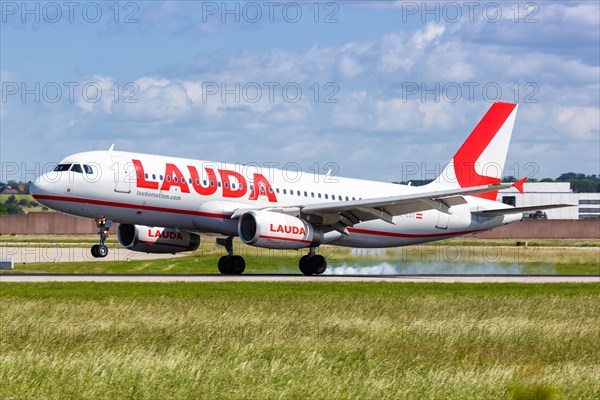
column 452, row 12
column 253, row 12
column 70, row 12
column 424, row 171
column 270, row 92
column 69, row 91
column 453, row 92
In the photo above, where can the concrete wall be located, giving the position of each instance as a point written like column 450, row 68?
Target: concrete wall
column 44, row 223
column 546, row 229
column 62, row 224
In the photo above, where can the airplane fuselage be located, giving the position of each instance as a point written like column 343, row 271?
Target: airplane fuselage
column 201, row 196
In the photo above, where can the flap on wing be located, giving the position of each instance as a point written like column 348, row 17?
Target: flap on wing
column 448, row 197
column 348, row 213
column 517, row 210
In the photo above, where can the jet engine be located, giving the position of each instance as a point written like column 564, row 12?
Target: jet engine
column 277, row 231
column 156, row 239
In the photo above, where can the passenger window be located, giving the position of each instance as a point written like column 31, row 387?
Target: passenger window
column 319, row 195
column 346, row 198
column 168, row 178
column 145, row 176
column 284, row 191
column 88, row 169
column 212, row 183
column 77, row 168
column 153, row 177
column 326, row 196
column 226, row 185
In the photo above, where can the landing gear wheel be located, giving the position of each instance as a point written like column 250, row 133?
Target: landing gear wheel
column 224, row 265
column 232, row 265
column 237, row 265
column 100, row 250
column 317, row 264
column 304, row 265
column 312, row 264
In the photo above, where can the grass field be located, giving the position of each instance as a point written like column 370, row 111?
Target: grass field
column 29, row 198
column 299, row 341
column 451, row 256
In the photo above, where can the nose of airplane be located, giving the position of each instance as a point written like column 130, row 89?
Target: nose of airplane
column 41, row 186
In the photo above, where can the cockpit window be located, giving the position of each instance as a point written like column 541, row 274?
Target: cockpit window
column 62, row 167
column 77, row 168
column 88, row 169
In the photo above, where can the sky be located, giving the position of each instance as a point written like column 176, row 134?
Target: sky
column 377, row 90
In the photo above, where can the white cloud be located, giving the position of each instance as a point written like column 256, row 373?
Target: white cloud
column 578, row 122
column 373, row 119
column 98, row 92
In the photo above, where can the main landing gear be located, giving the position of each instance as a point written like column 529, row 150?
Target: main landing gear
column 230, row 264
column 100, row 250
column 312, row 264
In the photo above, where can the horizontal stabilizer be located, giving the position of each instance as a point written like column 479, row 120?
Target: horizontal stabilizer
column 516, row 210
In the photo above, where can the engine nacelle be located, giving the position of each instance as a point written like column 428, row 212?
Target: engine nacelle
column 277, row 231
column 156, row 240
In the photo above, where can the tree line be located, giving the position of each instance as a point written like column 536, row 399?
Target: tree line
column 580, row 183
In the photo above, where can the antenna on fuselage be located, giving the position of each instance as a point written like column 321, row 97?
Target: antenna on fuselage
column 112, row 146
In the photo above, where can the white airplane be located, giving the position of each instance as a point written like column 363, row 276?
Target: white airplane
column 164, row 204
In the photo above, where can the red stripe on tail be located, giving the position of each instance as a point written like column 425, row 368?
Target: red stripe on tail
column 466, row 157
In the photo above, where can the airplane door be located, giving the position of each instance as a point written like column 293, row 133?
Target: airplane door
column 123, row 173
column 443, row 219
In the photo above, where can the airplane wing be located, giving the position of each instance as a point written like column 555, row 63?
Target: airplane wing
column 517, row 210
column 339, row 215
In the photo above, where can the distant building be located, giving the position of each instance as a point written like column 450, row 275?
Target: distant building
column 587, row 205
column 9, row 190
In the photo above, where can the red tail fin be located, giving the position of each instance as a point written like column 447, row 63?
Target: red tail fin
column 480, row 160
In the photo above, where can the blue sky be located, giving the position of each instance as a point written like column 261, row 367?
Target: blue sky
column 385, row 90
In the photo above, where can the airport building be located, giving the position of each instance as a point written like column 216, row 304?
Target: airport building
column 586, row 205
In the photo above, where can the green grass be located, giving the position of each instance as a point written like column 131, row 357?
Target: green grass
column 29, row 198
column 4, row 197
column 445, row 257
column 473, row 241
column 82, row 240
column 299, row 341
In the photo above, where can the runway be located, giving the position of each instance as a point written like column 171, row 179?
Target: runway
column 28, row 253
column 7, row 278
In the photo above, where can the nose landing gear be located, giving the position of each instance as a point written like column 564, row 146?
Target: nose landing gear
column 100, row 250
